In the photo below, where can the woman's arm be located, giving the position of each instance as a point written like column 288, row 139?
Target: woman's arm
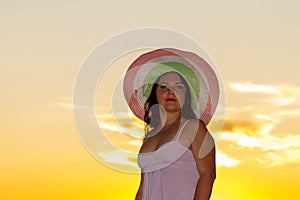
column 139, row 193
column 203, row 148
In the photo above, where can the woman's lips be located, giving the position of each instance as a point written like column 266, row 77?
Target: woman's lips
column 170, row 99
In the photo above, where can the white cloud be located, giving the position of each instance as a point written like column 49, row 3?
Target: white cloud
column 273, row 150
column 265, row 142
column 265, row 108
column 223, row 160
column 258, row 122
column 119, row 159
column 123, row 123
column 288, row 113
column 281, row 95
column 249, row 87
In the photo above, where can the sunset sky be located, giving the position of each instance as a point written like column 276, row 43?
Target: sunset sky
column 253, row 44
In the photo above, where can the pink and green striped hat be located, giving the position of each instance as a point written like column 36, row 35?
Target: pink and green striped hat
column 199, row 75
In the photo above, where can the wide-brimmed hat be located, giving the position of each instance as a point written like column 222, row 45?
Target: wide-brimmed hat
column 199, row 75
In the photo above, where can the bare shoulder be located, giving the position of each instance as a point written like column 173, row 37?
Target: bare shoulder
column 202, row 142
column 197, row 127
column 192, row 132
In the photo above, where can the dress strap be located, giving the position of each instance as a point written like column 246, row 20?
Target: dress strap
column 180, row 130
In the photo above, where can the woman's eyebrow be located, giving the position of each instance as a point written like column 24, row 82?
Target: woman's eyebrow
column 162, row 82
column 168, row 82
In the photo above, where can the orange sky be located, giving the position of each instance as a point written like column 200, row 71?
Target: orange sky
column 255, row 47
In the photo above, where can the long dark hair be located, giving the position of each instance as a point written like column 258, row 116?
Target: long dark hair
column 152, row 118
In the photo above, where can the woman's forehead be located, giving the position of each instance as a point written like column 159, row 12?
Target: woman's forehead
column 170, row 77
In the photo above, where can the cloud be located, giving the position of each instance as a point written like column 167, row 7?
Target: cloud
column 262, row 124
column 123, row 161
column 248, row 135
column 249, row 87
column 107, row 122
column 119, row 160
column 124, row 123
column 267, row 150
column 223, row 160
column 271, row 149
column 246, row 127
column 258, row 104
column 281, row 95
column 288, row 113
column 265, row 142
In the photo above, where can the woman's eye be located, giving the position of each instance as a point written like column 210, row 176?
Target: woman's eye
column 163, row 87
column 180, row 87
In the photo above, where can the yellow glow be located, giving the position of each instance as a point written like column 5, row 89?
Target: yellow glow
column 254, row 44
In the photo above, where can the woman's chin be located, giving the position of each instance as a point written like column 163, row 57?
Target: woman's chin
column 172, row 108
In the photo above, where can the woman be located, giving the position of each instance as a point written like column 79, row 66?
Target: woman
column 177, row 157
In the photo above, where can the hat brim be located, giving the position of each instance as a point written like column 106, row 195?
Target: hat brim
column 138, row 70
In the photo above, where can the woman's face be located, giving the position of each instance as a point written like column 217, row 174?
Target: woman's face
column 171, row 92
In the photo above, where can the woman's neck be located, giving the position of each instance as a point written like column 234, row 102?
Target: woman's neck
column 169, row 118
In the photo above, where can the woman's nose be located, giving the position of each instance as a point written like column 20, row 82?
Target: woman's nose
column 171, row 89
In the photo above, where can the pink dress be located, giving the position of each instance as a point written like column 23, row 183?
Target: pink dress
column 170, row 172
